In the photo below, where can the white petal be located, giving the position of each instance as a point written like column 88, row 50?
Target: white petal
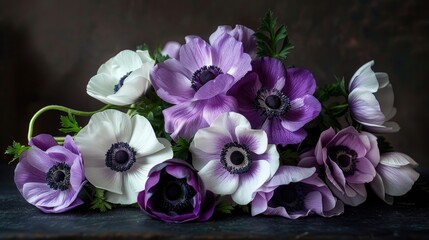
column 385, row 98
column 217, row 179
column 288, row 174
column 397, row 159
column 160, row 156
column 257, row 175
column 397, row 181
column 145, row 57
column 121, row 123
column 210, row 140
column 104, row 178
column 135, row 178
column 228, row 122
column 124, row 62
column 143, row 139
column 127, row 197
column 364, row 78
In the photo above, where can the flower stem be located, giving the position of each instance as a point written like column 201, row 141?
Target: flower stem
column 63, row 109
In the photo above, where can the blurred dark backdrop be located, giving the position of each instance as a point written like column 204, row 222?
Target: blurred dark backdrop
column 50, row 49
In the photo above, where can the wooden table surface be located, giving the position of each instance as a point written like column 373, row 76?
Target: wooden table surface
column 407, row 219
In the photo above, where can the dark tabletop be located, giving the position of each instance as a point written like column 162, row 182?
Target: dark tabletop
column 407, row 219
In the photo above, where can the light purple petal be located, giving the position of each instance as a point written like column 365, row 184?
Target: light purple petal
column 39, row 159
column 25, row 172
column 218, row 105
column 364, row 78
column 43, row 141
column 259, row 204
column 364, row 173
column 288, row 174
column 229, row 56
column 365, row 107
column 255, row 140
column 195, row 54
column 172, row 81
column 171, row 49
column 397, row 181
column 184, row 119
column 221, row 84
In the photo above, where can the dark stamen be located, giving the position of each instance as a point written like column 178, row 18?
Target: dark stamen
column 237, row 157
column 273, row 101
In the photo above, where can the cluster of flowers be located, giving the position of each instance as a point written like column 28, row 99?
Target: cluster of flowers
column 243, row 115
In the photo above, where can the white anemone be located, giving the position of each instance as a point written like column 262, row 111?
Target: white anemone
column 123, row 79
column 395, row 176
column 118, row 152
column 371, row 100
column 232, row 158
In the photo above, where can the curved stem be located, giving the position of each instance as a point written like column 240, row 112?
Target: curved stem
column 59, row 108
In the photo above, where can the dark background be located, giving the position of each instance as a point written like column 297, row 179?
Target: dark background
column 50, row 49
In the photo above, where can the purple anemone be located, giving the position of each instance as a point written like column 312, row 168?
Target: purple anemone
column 233, row 159
column 197, row 82
column 50, row 176
column 347, row 159
column 280, row 101
column 295, row 192
column 175, row 193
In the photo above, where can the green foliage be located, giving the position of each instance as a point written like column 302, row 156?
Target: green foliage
column 181, row 148
column 272, row 41
column 224, row 207
column 97, row 198
column 155, row 55
column 151, row 106
column 16, row 149
column 69, row 124
column 336, row 89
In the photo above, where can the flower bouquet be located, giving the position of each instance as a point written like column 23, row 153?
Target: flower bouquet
column 219, row 125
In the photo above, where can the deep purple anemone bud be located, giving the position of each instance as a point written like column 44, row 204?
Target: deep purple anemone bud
column 50, row 176
column 175, row 193
column 347, row 160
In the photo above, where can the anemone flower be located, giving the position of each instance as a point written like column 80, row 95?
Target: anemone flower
column 241, row 33
column 123, row 79
column 171, row 49
column 50, row 176
column 348, row 160
column 277, row 100
column 371, row 100
column 233, row 159
column 295, row 192
column 197, row 82
column 118, row 152
column 175, row 193
column 395, row 176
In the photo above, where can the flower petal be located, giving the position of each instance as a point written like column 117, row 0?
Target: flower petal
column 271, row 72
column 143, row 139
column 217, row 179
column 157, row 157
column 302, row 111
column 255, row 140
column 299, row 83
column 277, row 134
column 259, row 204
column 221, row 84
column 104, row 178
column 364, row 78
column 43, row 141
column 218, row 105
column 397, row 181
column 195, row 54
column 288, row 174
column 365, row 107
column 257, row 175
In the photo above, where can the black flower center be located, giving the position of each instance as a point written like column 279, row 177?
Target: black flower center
column 204, row 75
column 58, row 176
column 344, row 157
column 173, row 196
column 272, row 103
column 290, row 196
column 120, row 157
column 121, row 82
column 236, row 158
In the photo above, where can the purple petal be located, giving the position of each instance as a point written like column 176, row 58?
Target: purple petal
column 43, row 141
column 365, row 108
column 218, row 105
column 255, row 140
column 271, row 71
column 70, row 145
column 221, row 84
column 299, row 82
column 240, row 33
column 277, row 134
column 250, row 181
column 364, row 172
column 39, row 159
column 172, row 81
column 171, row 49
column 184, row 119
column 195, row 54
column 364, row 78
column 288, row 174
column 350, row 138
column 259, row 204
column 208, row 207
column 229, row 56
column 25, row 172
column 302, row 111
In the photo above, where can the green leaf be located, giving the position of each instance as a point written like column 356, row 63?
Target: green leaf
column 16, row 149
column 224, row 207
column 98, row 200
column 181, row 149
column 272, row 41
column 69, row 124
column 155, row 55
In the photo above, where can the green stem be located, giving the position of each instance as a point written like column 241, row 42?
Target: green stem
column 59, row 108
